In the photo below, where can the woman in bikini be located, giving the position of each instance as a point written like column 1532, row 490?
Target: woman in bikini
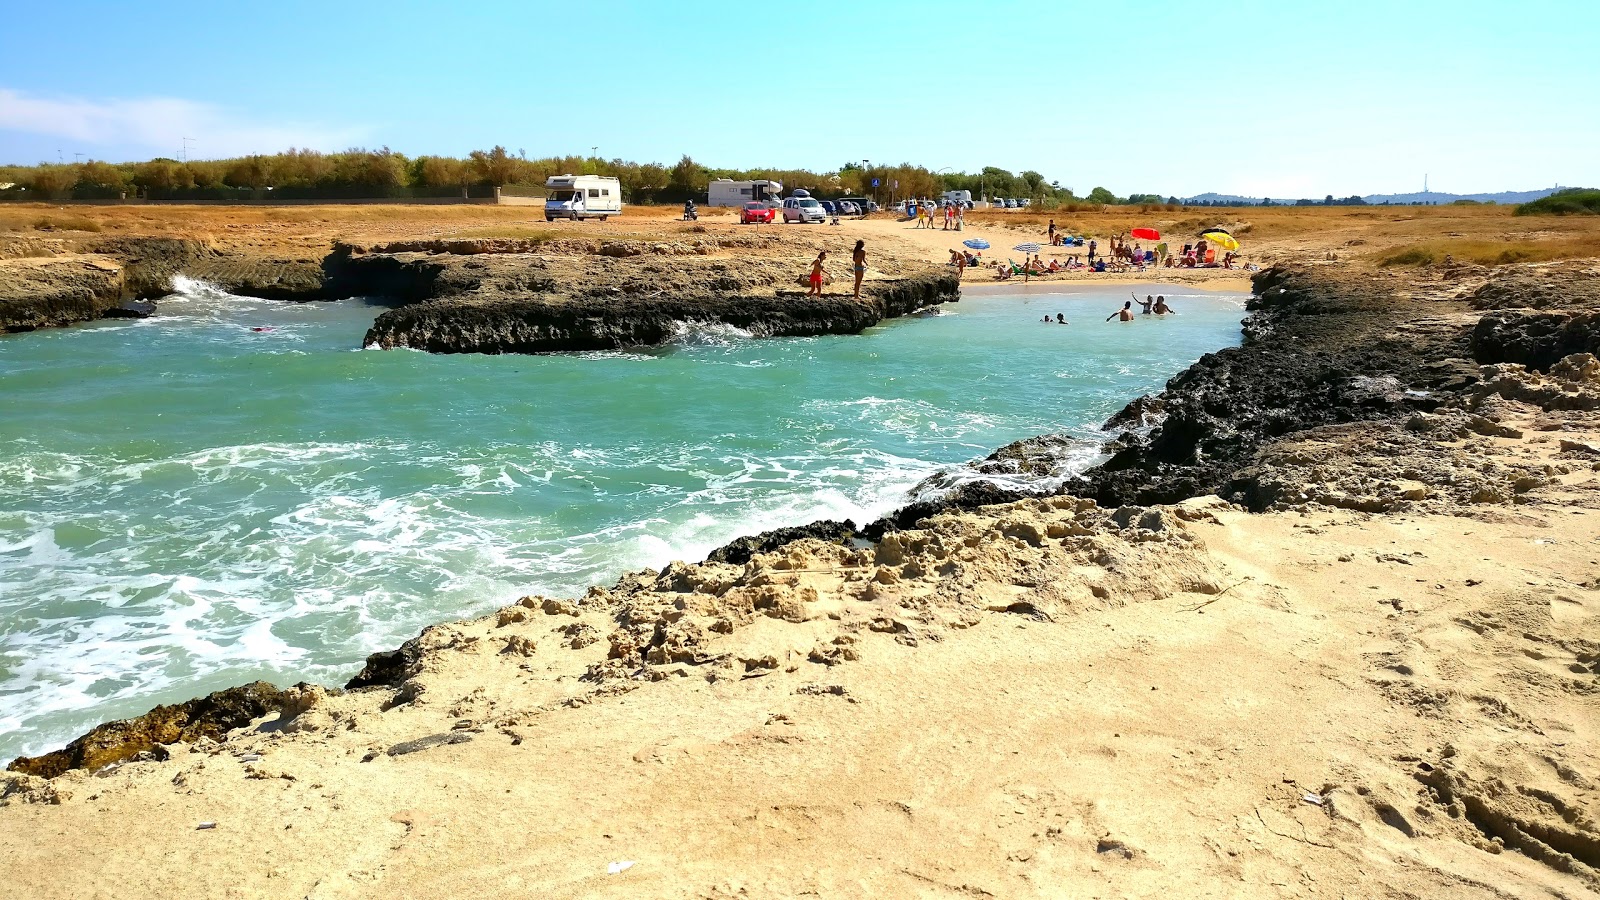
column 859, row 257
column 816, row 274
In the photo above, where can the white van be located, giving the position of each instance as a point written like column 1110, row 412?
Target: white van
column 582, row 197
column 802, row 207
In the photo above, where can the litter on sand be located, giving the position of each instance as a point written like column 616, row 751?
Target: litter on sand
column 205, row 826
column 621, row 866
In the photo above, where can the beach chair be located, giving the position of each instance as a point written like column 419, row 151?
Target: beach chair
column 1211, row 256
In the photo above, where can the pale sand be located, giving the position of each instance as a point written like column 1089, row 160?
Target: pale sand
column 1216, row 704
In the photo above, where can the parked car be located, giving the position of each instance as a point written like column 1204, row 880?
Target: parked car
column 1011, row 204
column 756, row 212
column 848, row 208
column 803, row 209
column 829, row 207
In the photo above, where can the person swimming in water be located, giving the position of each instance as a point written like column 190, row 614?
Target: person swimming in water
column 1061, row 319
column 1145, row 304
column 1161, row 306
column 1125, row 314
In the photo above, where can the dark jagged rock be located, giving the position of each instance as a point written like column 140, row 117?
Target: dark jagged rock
column 1566, row 287
column 543, row 322
column 1536, row 340
column 1320, row 348
column 500, row 300
column 387, row 668
column 739, row 551
column 132, row 309
column 211, row 716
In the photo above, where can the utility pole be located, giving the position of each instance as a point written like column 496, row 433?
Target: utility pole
column 186, row 143
column 77, row 158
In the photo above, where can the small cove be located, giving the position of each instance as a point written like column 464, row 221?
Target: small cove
column 232, row 490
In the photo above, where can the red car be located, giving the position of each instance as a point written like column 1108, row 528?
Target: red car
column 755, row 211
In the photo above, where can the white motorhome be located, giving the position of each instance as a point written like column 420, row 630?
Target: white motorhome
column 964, row 198
column 727, row 192
column 582, row 197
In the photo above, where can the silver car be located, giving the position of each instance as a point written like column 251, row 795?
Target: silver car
column 803, row 209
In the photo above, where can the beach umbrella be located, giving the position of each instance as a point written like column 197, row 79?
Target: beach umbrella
column 976, row 243
column 1220, row 238
column 1146, row 234
column 1026, row 249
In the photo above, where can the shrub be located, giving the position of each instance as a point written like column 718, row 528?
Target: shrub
column 1410, row 256
column 1570, row 202
column 66, row 223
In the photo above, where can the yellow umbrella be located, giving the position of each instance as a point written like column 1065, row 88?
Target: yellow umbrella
column 1221, row 239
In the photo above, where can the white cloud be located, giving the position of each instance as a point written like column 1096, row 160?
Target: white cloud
column 159, row 125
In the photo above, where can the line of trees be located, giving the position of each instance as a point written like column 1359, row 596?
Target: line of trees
column 384, row 172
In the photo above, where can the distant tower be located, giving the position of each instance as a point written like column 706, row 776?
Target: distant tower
column 1424, row 183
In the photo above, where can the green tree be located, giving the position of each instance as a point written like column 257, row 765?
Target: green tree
column 494, row 167
column 688, row 179
column 95, row 173
column 440, row 171
column 52, row 180
column 161, row 174
column 644, row 182
column 254, row 172
column 1102, row 196
column 998, row 182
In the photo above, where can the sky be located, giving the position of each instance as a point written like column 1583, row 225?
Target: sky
column 1288, row 98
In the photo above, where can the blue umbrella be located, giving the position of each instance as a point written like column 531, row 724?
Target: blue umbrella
column 977, row 243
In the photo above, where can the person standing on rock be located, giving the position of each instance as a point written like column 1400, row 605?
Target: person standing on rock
column 816, row 274
column 859, row 258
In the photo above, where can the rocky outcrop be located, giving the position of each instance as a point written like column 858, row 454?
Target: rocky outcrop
column 487, row 302
column 1535, row 339
column 211, row 716
column 121, row 277
column 1319, row 349
column 45, row 292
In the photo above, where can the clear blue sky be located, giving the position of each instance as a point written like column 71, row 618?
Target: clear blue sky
column 1282, row 98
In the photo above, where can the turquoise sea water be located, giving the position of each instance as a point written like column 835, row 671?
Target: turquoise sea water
column 189, row 503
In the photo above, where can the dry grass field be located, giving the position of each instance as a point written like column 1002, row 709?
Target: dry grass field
column 1366, row 236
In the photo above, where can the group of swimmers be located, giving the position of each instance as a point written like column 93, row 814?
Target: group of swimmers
column 1156, row 306
column 1150, row 306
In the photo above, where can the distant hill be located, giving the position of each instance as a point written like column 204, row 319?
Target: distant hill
column 1431, row 197
column 1442, row 199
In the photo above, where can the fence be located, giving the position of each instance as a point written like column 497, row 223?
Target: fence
column 478, row 193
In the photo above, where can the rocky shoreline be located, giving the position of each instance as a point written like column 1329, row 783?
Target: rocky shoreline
column 1357, row 403
column 1324, row 351
column 482, row 296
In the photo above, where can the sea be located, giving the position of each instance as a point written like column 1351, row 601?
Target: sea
column 235, row 489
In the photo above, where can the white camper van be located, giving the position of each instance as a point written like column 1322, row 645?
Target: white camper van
column 582, row 197
column 727, row 192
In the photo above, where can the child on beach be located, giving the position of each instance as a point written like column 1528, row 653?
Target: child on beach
column 816, row 274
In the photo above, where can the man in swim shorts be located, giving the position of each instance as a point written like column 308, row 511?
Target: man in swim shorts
column 1124, row 314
